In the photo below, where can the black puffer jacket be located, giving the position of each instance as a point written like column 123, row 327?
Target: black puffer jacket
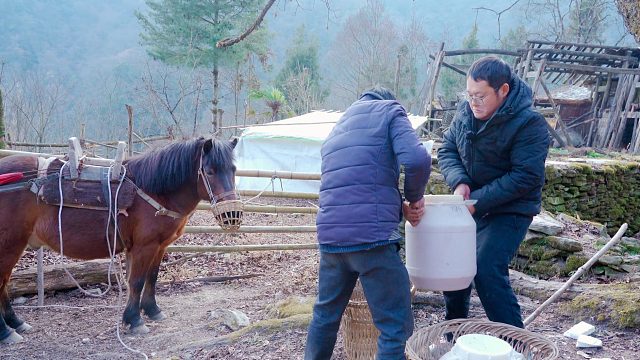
column 503, row 163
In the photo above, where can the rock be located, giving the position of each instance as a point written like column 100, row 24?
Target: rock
column 545, row 223
column 631, row 269
column 233, row 319
column 581, row 328
column 585, row 341
column 19, row 300
column 610, row 260
column 632, row 260
column 533, row 236
column 565, row 244
column 630, row 242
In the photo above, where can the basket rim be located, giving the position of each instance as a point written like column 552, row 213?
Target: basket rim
column 527, row 341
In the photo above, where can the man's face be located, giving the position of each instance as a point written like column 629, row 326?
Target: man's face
column 483, row 99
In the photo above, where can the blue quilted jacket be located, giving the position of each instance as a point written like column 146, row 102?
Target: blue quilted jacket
column 360, row 202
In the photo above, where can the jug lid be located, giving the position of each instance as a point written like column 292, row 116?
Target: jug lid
column 444, row 199
column 447, row 200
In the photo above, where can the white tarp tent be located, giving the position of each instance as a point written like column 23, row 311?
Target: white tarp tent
column 288, row 145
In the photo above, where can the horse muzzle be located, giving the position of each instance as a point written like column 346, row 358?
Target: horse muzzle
column 228, row 214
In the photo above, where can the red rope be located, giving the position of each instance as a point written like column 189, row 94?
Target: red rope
column 10, row 178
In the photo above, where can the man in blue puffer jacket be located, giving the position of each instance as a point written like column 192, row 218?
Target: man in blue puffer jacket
column 494, row 152
column 360, row 209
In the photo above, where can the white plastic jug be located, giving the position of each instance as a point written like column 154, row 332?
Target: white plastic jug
column 441, row 250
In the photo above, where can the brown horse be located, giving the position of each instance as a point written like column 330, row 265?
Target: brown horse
column 175, row 177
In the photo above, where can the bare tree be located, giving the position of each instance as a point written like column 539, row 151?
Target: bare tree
column 35, row 103
column 364, row 53
column 568, row 20
column 174, row 93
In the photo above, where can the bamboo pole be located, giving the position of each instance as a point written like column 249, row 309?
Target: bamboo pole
column 583, row 269
column 279, row 194
column 249, row 229
column 268, row 209
column 26, row 144
column 238, row 248
column 278, row 174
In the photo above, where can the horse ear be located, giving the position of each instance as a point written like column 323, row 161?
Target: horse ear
column 206, row 147
column 234, row 142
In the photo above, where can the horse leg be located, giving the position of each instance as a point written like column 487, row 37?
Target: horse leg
column 8, row 318
column 139, row 260
column 148, row 302
column 7, row 334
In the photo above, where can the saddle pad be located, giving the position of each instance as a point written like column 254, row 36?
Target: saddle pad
column 86, row 194
column 10, row 178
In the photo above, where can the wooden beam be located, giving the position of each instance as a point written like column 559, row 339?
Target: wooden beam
column 481, row 51
column 23, row 282
column 451, row 66
column 116, row 171
column 559, row 43
column 435, row 71
column 563, row 127
column 595, row 69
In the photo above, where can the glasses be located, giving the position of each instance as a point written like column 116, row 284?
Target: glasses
column 479, row 100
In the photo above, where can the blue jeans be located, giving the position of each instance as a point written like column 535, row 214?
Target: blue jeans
column 385, row 282
column 498, row 237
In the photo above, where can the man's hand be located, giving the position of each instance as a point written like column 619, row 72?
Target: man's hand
column 413, row 211
column 464, row 190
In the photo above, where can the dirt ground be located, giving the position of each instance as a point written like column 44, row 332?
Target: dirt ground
column 75, row 326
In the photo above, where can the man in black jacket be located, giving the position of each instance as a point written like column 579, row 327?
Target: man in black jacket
column 494, row 152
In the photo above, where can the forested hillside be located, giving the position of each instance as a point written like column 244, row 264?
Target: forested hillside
column 73, row 65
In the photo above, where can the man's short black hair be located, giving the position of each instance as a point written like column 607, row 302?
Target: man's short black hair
column 491, row 69
column 380, row 93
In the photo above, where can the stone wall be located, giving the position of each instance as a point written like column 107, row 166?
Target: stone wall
column 603, row 191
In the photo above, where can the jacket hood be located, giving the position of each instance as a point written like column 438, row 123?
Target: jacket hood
column 520, row 97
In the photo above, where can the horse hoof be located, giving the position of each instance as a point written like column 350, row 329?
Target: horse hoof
column 13, row 338
column 139, row 330
column 24, row 328
column 158, row 317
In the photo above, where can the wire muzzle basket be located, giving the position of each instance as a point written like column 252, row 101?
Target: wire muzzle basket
column 228, row 214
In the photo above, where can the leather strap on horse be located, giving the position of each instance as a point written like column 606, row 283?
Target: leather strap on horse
column 161, row 210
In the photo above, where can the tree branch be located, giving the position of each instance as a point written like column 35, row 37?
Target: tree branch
column 231, row 41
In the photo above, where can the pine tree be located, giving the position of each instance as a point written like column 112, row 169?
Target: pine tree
column 299, row 79
column 185, row 33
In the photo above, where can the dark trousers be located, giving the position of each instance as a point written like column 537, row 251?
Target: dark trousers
column 497, row 240
column 385, row 282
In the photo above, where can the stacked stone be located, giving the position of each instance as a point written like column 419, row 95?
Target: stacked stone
column 606, row 193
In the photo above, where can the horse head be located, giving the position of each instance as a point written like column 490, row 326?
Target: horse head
column 217, row 182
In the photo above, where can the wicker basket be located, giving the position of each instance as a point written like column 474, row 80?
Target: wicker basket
column 358, row 331
column 430, row 343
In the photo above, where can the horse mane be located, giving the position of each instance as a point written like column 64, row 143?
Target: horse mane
column 166, row 169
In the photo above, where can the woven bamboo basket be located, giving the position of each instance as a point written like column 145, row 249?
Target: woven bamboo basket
column 228, row 214
column 431, row 343
column 359, row 333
